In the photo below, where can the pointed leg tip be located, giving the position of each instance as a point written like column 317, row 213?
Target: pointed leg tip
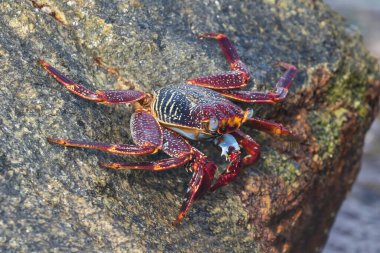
column 105, row 165
column 58, row 141
column 202, row 35
column 277, row 64
column 42, row 62
column 111, row 165
column 211, row 35
column 178, row 220
column 284, row 65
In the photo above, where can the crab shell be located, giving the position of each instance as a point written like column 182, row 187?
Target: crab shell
column 196, row 112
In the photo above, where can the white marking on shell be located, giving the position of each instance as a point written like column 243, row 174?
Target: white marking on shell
column 168, row 102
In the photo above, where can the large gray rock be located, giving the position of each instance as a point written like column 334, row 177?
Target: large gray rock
column 55, row 198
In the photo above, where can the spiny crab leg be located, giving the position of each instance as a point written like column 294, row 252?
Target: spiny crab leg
column 173, row 144
column 147, row 142
column 193, row 188
column 268, row 127
column 120, row 149
column 101, row 96
column 237, row 78
column 199, row 184
column 203, row 170
column 280, row 92
column 228, row 50
column 164, row 164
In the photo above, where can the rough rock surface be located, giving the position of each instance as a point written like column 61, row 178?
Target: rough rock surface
column 55, row 198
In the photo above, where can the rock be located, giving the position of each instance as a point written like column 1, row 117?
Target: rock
column 58, row 199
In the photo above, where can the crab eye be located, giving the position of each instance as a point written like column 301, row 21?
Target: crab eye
column 249, row 113
column 213, row 124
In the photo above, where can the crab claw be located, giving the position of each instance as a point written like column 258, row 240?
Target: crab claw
column 231, row 171
column 227, row 143
column 231, row 149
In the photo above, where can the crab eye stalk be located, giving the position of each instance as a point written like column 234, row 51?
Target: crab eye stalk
column 213, row 124
column 249, row 113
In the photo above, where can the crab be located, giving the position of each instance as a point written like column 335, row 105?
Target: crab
column 176, row 115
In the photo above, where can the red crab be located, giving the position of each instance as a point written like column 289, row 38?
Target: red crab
column 197, row 110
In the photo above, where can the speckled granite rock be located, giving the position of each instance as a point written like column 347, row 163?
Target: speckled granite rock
column 55, row 198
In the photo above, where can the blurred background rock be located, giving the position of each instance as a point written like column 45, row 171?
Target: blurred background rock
column 356, row 227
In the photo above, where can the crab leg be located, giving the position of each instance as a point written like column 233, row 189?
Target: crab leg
column 222, row 81
column 146, row 133
column 268, row 127
column 164, row 164
column 120, row 149
column 281, row 89
column 101, row 96
column 173, row 144
column 237, row 78
column 194, row 186
column 199, row 184
column 228, row 50
column 203, row 170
